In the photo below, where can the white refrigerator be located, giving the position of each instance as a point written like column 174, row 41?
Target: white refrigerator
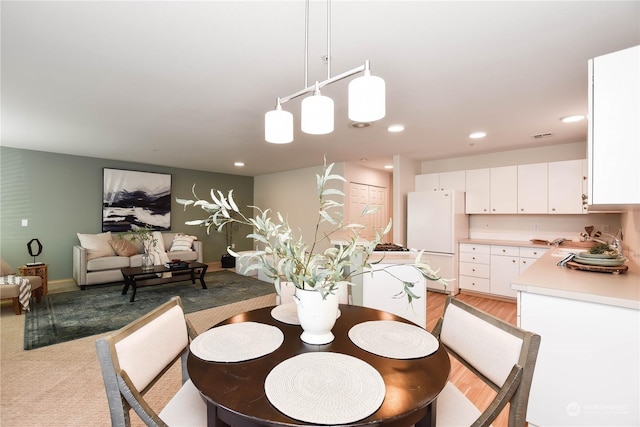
column 436, row 221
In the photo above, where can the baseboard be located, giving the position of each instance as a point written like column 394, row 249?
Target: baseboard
column 489, row 296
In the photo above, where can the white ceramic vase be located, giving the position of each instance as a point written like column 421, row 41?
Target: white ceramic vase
column 317, row 315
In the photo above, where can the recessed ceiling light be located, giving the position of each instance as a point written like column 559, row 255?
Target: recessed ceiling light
column 388, row 166
column 238, row 164
column 571, row 119
column 476, row 135
column 395, row 128
column 360, row 125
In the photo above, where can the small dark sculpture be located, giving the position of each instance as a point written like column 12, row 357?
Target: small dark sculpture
column 32, row 246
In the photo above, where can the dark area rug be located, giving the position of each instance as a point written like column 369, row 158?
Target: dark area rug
column 77, row 314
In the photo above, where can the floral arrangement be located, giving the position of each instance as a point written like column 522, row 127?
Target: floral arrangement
column 288, row 258
column 144, row 235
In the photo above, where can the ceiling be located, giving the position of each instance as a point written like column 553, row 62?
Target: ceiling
column 186, row 84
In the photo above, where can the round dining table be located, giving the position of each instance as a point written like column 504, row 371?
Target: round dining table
column 235, row 391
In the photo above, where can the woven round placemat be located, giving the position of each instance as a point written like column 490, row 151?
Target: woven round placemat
column 395, row 340
column 288, row 313
column 325, row 388
column 237, row 342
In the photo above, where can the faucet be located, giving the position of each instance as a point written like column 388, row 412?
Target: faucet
column 615, row 243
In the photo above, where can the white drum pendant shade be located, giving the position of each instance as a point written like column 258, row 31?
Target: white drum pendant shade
column 317, row 115
column 366, row 98
column 278, row 126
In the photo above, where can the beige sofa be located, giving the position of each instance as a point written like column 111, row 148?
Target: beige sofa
column 13, row 291
column 95, row 264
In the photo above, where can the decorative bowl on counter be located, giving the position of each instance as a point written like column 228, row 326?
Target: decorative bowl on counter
column 599, row 261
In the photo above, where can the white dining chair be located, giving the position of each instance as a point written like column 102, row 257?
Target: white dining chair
column 500, row 354
column 135, row 357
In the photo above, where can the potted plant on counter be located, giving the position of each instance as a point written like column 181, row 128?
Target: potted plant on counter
column 314, row 272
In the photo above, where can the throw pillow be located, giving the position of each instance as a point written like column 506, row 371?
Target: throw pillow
column 182, row 242
column 5, row 269
column 123, row 247
column 97, row 245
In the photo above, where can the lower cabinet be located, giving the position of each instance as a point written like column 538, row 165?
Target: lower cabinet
column 505, row 267
column 491, row 269
column 475, row 267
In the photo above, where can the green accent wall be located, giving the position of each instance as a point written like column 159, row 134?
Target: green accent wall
column 61, row 195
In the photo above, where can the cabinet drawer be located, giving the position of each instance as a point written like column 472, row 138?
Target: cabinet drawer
column 477, row 284
column 505, row 250
column 478, row 258
column 470, row 247
column 532, row 252
column 475, row 270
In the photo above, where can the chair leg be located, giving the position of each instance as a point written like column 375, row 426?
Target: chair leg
column 17, row 308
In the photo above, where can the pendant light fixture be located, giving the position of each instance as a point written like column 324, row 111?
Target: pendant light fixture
column 278, row 125
column 366, row 98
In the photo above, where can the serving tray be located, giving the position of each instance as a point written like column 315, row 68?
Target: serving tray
column 598, row 268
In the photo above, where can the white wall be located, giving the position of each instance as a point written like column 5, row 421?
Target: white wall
column 551, row 153
column 404, row 172
column 631, row 233
column 294, row 195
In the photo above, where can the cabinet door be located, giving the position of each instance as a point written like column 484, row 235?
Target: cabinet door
column 532, row 188
column 614, row 130
column 504, row 190
column 504, row 270
column 478, row 191
column 565, row 187
column 452, row 181
column 427, row 182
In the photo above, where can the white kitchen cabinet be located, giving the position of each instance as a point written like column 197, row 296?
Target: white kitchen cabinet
column 447, row 267
column 505, row 268
column 532, row 188
column 528, row 256
column 453, row 181
column 504, row 190
column 565, row 187
column 427, row 182
column 614, row 128
column 380, row 290
column 587, row 371
column 478, row 191
column 474, row 271
column 440, row 181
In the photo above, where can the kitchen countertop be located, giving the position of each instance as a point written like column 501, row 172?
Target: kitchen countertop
column 520, row 243
column 544, row 277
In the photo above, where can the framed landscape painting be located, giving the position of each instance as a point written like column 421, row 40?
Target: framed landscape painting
column 135, row 198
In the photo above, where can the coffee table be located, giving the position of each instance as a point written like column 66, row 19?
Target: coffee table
column 136, row 277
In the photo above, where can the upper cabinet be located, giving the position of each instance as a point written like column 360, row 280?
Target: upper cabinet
column 566, row 187
column 532, row 188
column 440, row 181
column 614, row 128
column 504, row 190
column 478, row 196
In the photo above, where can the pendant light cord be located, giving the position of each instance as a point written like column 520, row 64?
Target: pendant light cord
column 328, row 39
column 306, row 44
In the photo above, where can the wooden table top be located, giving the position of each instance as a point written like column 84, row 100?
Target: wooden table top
column 238, row 388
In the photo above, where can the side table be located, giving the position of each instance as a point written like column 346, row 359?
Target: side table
column 36, row 270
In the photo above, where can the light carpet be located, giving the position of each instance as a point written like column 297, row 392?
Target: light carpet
column 61, row 385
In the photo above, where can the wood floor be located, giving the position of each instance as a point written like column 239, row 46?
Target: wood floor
column 479, row 393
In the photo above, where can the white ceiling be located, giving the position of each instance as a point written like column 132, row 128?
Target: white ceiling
column 186, row 84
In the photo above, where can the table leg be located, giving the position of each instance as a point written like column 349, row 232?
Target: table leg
column 133, row 288
column 202, row 273
column 127, row 282
column 429, row 420
column 212, row 416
